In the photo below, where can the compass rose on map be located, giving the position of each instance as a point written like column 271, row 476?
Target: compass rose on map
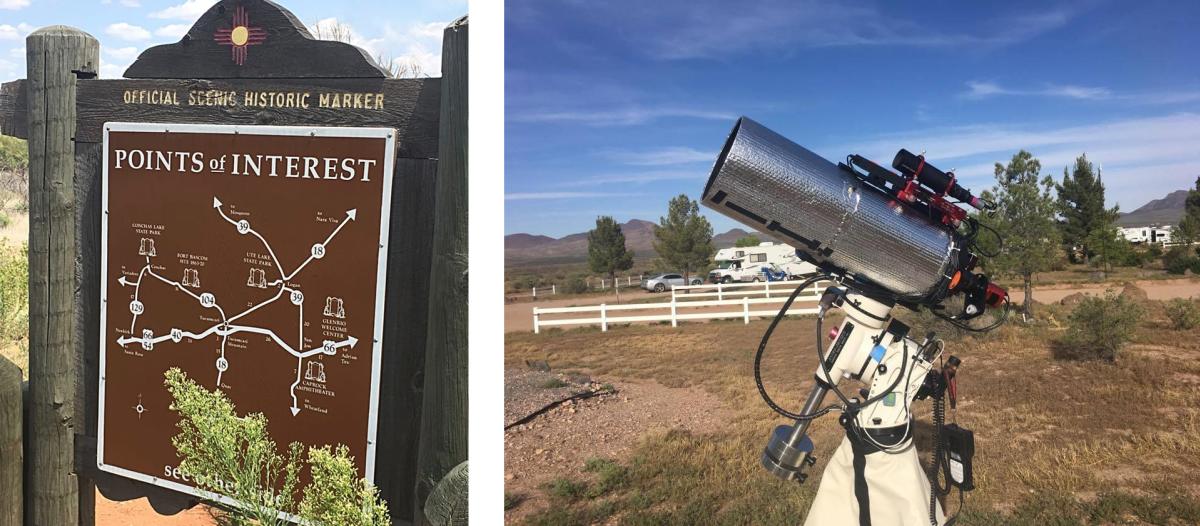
column 241, row 36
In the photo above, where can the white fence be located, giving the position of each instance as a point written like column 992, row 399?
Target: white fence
column 749, row 298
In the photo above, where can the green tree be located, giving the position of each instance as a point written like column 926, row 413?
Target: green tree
column 1189, row 227
column 1024, row 219
column 1109, row 247
column 1081, row 204
column 606, row 250
column 683, row 238
column 747, row 241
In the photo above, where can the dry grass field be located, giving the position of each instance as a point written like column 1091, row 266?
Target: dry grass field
column 1057, row 442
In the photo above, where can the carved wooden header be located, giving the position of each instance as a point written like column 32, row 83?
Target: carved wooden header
column 252, row 39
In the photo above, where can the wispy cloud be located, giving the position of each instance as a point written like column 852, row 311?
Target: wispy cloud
column 981, row 90
column 721, row 29
column 1134, row 152
column 121, row 53
column 173, row 30
column 659, row 157
column 188, row 10
column 619, row 116
column 17, row 32
column 977, row 90
column 414, row 49
column 532, row 196
column 636, row 178
column 127, row 31
column 13, row 4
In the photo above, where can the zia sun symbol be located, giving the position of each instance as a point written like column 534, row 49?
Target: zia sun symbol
column 240, row 36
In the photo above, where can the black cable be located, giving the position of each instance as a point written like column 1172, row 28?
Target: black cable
column 762, row 346
column 935, row 489
column 959, row 323
column 999, row 241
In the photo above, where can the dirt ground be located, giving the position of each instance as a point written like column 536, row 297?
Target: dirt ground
column 139, row 513
column 606, row 427
column 1056, row 439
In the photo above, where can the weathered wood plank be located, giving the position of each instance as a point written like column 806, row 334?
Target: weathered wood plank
column 444, row 413
column 410, row 239
column 275, row 45
column 88, row 160
column 12, row 485
column 409, row 105
column 52, row 55
column 13, row 108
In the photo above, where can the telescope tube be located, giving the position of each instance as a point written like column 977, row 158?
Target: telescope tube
column 785, row 191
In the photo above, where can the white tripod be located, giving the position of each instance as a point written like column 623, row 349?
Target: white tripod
column 874, row 478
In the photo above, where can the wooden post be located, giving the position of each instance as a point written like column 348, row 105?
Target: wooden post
column 444, row 415
column 11, row 422
column 746, row 309
column 603, row 318
column 53, row 56
column 536, row 322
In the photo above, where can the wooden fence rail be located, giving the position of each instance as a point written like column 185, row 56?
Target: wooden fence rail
column 804, row 304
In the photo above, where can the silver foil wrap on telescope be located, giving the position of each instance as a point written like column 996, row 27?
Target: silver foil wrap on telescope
column 785, row 191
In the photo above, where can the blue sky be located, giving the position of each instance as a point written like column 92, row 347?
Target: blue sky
column 409, row 31
column 614, row 107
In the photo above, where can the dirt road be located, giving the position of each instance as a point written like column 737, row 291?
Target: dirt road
column 1157, row 289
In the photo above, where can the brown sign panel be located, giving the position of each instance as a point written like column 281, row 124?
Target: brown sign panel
column 253, row 258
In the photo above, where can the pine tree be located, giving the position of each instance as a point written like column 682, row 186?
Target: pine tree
column 606, row 250
column 1189, row 227
column 747, row 241
column 1024, row 219
column 1081, row 204
column 683, row 239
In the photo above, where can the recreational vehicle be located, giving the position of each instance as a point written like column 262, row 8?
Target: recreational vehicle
column 765, row 262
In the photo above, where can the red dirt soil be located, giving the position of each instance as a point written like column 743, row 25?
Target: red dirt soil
column 139, row 513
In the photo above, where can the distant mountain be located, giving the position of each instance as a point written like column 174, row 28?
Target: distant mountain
column 639, row 237
column 519, row 241
column 730, row 238
column 1167, row 210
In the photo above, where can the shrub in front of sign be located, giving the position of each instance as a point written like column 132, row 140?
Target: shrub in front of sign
column 235, row 456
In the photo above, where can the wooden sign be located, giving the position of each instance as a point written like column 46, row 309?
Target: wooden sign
column 244, row 63
column 253, row 258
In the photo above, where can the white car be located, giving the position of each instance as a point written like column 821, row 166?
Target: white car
column 664, row 282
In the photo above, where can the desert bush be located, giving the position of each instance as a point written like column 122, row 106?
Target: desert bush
column 236, row 456
column 1099, row 327
column 14, row 292
column 576, row 286
column 1178, row 260
column 1183, row 313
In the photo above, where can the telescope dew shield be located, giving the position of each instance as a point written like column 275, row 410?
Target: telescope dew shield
column 785, row 191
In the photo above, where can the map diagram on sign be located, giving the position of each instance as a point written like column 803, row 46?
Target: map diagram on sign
column 252, row 258
column 226, row 327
